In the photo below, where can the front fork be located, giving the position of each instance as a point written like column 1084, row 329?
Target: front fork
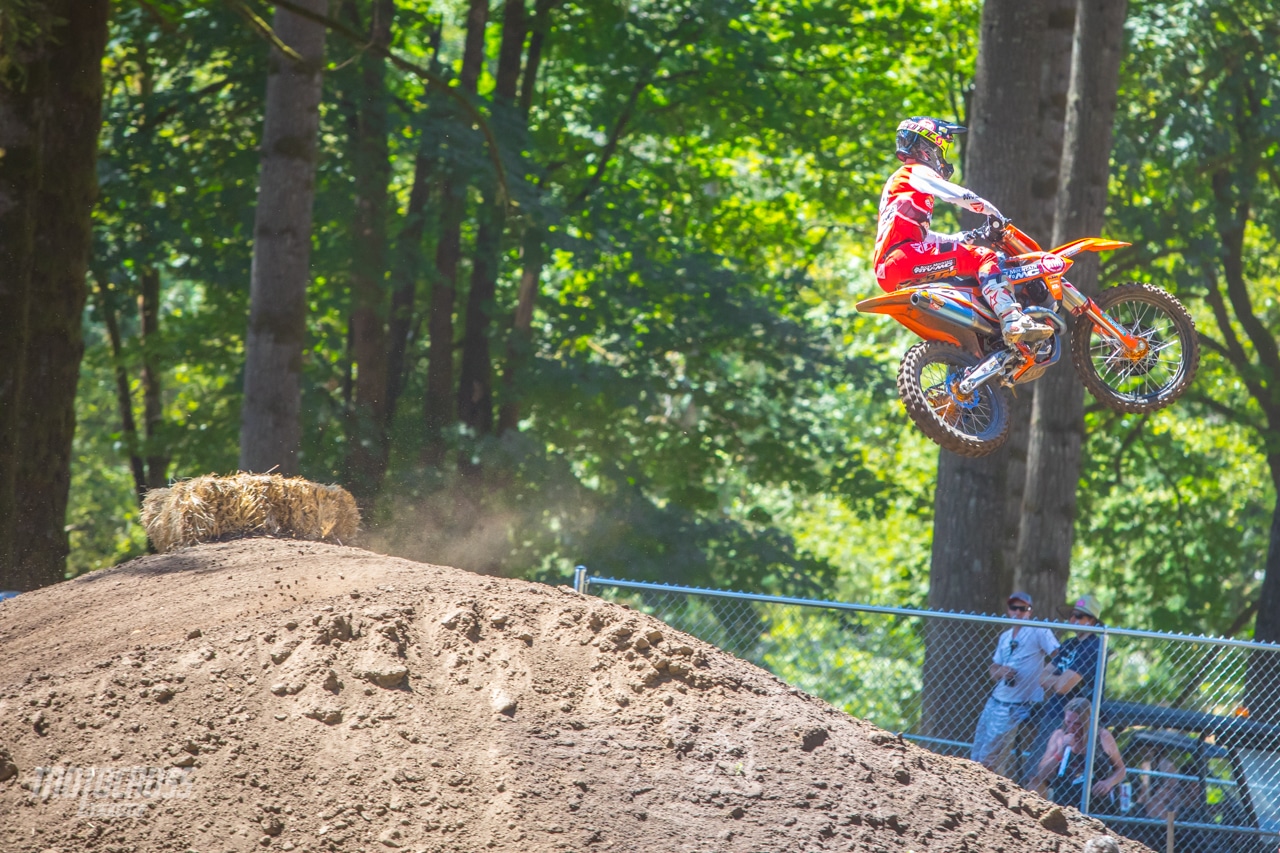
column 1077, row 303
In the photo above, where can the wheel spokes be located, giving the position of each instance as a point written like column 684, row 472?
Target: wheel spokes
column 972, row 416
column 1142, row 375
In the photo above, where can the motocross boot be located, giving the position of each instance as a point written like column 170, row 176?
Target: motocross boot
column 1016, row 327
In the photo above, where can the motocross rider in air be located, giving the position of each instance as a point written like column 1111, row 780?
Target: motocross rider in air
column 908, row 252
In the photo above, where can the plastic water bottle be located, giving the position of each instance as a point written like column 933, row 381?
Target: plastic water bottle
column 1126, row 797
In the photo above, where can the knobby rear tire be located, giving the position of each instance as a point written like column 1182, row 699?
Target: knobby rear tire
column 967, row 428
column 1139, row 387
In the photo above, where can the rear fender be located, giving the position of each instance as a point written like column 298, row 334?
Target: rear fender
column 898, row 306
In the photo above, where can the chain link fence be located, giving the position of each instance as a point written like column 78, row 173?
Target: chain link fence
column 1195, row 721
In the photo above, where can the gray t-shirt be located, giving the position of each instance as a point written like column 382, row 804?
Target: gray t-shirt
column 1025, row 653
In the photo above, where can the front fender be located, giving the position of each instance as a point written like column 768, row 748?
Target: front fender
column 1089, row 244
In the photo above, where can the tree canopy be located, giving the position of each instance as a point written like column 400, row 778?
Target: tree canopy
column 680, row 388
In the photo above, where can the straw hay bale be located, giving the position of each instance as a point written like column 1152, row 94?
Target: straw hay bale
column 209, row 509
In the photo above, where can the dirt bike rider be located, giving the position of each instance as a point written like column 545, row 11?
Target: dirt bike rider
column 908, row 252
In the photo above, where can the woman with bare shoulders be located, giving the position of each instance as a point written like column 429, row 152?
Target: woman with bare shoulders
column 1066, row 754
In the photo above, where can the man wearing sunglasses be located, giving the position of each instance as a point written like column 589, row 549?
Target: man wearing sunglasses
column 907, row 252
column 1015, row 668
column 1072, row 670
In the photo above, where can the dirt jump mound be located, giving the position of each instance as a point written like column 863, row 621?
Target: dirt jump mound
column 268, row 693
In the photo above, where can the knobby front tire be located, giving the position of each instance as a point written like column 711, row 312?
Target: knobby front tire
column 927, row 379
column 1148, row 383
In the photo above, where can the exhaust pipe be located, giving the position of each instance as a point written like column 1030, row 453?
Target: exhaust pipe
column 1044, row 315
column 958, row 315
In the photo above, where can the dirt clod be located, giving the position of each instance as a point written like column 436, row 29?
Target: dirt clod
column 1055, row 820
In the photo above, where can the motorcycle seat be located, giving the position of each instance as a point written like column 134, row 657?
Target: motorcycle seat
column 954, row 281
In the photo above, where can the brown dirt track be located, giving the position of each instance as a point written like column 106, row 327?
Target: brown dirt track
column 328, row 698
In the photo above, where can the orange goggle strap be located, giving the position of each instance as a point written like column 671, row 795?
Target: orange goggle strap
column 931, row 135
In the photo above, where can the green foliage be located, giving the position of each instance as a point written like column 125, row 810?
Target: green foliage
column 867, row 665
column 1175, row 507
column 701, row 403
column 102, row 519
column 1173, row 519
column 698, row 376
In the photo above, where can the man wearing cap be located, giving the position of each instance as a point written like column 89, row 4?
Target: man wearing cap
column 1015, row 668
column 1072, row 670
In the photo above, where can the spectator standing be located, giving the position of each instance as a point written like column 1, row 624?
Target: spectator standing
column 1016, row 666
column 1072, row 670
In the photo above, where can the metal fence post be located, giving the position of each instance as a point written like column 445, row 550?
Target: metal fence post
column 1090, row 750
column 580, row 579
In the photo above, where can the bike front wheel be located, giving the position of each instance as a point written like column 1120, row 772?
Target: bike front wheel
column 1146, row 378
column 966, row 424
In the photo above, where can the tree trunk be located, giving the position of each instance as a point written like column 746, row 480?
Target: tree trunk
column 1045, row 157
column 270, row 425
column 152, row 401
column 438, row 408
column 475, row 380
column 537, row 42
column 971, row 526
column 69, row 126
column 21, row 92
column 1057, row 420
column 124, row 398
column 520, row 345
column 367, row 437
column 1055, row 73
column 533, row 251
column 403, row 323
column 404, row 280
column 1055, row 79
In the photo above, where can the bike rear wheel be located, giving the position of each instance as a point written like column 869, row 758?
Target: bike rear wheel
column 968, row 425
column 1137, row 382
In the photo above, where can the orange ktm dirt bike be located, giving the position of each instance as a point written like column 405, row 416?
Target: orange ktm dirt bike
column 1134, row 347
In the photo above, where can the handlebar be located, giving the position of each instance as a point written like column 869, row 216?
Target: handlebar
column 992, row 230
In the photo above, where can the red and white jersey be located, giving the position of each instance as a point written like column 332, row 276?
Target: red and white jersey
column 906, row 208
